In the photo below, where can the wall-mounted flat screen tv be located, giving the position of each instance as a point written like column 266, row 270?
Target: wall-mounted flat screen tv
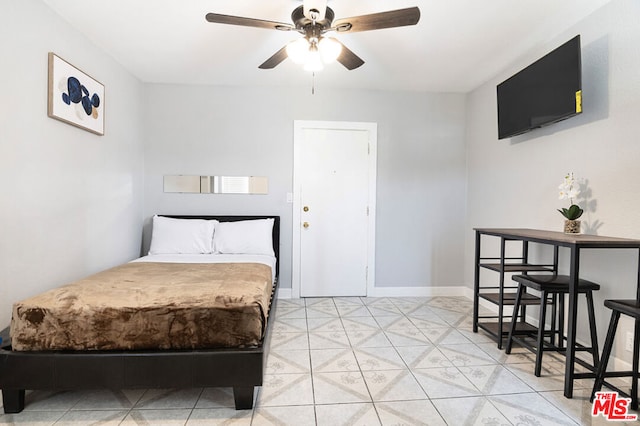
column 547, row 91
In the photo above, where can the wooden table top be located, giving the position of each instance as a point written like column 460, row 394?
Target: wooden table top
column 560, row 238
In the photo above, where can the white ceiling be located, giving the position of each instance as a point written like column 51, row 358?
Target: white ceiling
column 456, row 46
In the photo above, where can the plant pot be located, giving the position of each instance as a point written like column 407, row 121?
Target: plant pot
column 571, row 226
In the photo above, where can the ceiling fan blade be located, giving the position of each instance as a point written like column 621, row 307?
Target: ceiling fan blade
column 349, row 59
column 217, row 18
column 274, row 60
column 378, row 21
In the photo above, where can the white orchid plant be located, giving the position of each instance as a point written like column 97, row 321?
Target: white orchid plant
column 569, row 191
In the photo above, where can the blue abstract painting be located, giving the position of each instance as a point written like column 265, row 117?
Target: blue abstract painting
column 75, row 97
column 78, row 94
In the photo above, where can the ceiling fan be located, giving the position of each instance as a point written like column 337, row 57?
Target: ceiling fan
column 313, row 20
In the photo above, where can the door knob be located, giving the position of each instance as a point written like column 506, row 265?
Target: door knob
column 305, row 208
column 305, row 224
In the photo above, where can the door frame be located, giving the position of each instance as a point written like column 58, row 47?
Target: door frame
column 298, row 127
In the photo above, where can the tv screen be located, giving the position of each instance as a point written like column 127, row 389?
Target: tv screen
column 547, row 91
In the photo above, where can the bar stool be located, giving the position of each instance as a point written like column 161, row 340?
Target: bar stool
column 552, row 289
column 631, row 308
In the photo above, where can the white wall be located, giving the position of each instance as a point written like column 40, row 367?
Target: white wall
column 249, row 131
column 513, row 182
column 71, row 200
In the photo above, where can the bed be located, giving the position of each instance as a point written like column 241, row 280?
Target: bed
column 173, row 347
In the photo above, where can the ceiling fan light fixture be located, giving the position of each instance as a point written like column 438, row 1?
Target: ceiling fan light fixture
column 314, row 60
column 298, row 51
column 330, row 49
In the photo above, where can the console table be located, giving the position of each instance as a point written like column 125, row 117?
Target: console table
column 575, row 243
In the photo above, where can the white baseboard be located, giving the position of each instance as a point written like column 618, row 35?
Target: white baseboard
column 283, row 293
column 457, row 291
column 617, row 364
column 421, row 291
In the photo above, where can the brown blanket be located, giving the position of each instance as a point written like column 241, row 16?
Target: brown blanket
column 149, row 306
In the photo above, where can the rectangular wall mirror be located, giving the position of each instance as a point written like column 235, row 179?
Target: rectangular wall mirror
column 216, row 184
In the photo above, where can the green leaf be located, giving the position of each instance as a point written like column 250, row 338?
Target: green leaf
column 574, row 212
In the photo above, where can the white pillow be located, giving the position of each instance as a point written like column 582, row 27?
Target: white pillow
column 244, row 237
column 182, row 236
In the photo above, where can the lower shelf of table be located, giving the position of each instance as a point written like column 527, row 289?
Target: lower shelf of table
column 509, row 298
column 493, row 328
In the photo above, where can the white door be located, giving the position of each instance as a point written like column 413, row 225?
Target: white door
column 334, row 196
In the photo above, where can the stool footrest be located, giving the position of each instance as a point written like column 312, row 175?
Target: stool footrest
column 546, row 346
column 590, row 375
column 618, row 374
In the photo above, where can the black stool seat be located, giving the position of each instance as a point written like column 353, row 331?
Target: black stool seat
column 554, row 283
column 629, row 307
column 552, row 289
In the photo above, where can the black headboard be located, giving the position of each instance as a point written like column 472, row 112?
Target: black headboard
column 275, row 234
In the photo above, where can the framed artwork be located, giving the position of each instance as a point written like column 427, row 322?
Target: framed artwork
column 75, row 97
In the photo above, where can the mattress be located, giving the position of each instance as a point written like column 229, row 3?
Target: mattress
column 151, row 303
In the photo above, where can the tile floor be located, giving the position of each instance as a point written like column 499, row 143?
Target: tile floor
column 354, row 361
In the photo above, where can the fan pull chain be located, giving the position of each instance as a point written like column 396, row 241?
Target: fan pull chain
column 313, row 83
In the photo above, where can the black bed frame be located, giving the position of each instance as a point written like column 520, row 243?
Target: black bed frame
column 242, row 369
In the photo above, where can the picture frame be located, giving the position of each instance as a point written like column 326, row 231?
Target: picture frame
column 75, row 97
